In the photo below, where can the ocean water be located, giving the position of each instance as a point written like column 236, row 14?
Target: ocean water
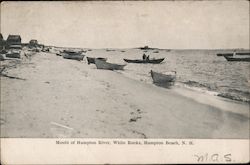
column 197, row 69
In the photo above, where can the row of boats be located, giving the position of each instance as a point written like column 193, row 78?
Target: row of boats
column 101, row 63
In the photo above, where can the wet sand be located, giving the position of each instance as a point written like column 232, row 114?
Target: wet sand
column 55, row 97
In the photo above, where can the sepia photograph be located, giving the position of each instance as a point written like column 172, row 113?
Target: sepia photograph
column 125, row 70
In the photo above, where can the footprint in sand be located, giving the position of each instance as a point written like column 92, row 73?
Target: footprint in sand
column 125, row 94
column 141, row 134
column 139, row 111
column 99, row 111
column 134, row 119
column 136, row 115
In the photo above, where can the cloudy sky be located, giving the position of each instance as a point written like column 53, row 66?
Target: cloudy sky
column 170, row 24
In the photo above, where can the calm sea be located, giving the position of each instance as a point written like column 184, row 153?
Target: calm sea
column 198, row 69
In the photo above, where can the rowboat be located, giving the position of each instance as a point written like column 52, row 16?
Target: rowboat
column 246, row 59
column 14, row 53
column 243, row 53
column 68, row 54
column 78, row 57
column 151, row 61
column 72, row 52
column 100, row 64
column 92, row 59
column 163, row 78
column 225, row 54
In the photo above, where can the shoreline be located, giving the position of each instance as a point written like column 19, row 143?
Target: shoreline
column 66, row 98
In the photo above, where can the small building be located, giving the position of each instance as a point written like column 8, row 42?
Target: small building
column 2, row 42
column 1, row 37
column 13, row 40
column 33, row 43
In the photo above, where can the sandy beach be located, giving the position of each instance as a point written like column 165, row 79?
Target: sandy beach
column 54, row 97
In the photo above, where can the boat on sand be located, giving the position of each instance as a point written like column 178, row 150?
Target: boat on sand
column 92, row 59
column 14, row 54
column 100, row 64
column 150, row 61
column 159, row 78
column 73, row 55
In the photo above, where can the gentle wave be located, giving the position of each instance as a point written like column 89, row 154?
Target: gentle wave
column 232, row 94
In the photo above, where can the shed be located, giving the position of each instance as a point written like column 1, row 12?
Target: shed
column 33, row 42
column 14, row 40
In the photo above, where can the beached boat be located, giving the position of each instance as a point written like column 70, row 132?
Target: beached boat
column 225, row 54
column 78, row 57
column 73, row 55
column 92, row 59
column 100, row 64
column 13, row 53
column 163, row 78
column 72, row 52
column 151, row 61
column 246, row 59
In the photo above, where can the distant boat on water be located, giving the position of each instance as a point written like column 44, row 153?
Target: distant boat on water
column 232, row 54
column 100, row 64
column 243, row 53
column 151, row 61
column 225, row 54
column 246, row 59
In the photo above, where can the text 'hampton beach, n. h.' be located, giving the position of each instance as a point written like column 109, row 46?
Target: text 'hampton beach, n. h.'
column 125, row 142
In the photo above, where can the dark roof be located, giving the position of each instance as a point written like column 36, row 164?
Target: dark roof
column 33, row 40
column 1, row 36
column 14, row 37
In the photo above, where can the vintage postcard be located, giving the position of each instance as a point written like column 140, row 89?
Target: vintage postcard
column 124, row 82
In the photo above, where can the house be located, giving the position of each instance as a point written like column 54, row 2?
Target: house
column 33, row 43
column 13, row 40
column 2, row 42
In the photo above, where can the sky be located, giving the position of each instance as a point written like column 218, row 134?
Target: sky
column 126, row 24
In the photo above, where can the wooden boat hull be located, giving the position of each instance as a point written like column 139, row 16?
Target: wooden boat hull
column 78, row 57
column 247, row 59
column 162, row 78
column 13, row 54
column 100, row 64
column 70, row 52
column 151, row 61
column 92, row 60
column 225, row 54
column 243, row 53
